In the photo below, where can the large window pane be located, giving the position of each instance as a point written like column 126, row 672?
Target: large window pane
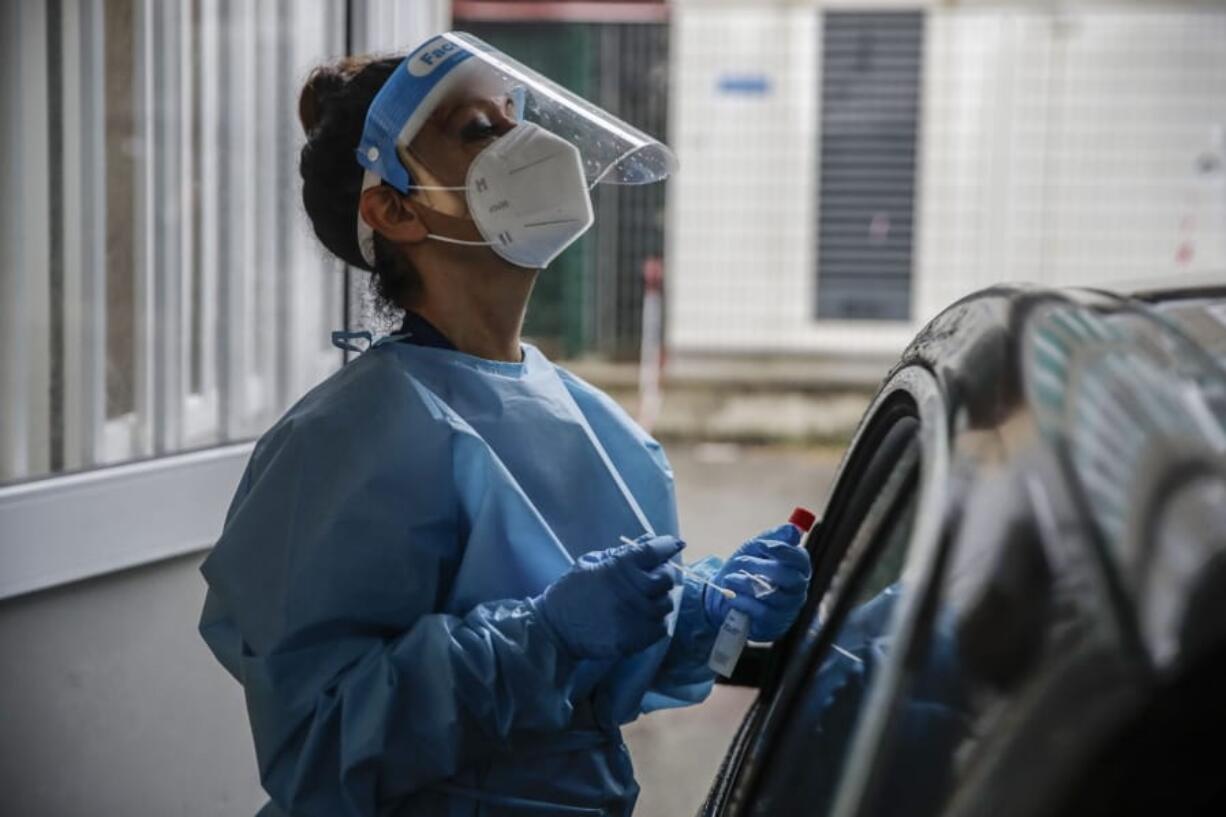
column 170, row 285
column 121, row 165
column 25, row 317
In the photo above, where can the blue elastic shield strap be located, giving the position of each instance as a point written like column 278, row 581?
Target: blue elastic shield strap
column 341, row 340
column 400, row 106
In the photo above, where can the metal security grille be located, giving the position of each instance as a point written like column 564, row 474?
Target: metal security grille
column 870, row 109
column 589, row 301
column 630, row 227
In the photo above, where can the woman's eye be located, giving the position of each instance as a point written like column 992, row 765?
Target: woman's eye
column 478, row 129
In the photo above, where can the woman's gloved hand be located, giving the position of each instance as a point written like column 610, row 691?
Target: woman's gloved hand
column 613, row 602
column 773, row 555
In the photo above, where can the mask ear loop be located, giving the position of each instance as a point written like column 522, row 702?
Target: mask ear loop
column 445, row 239
column 366, row 234
column 461, row 241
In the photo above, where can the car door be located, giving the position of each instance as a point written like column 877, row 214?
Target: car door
column 826, row 690
column 1069, row 645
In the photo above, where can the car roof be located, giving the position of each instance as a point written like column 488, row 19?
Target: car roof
column 1166, row 287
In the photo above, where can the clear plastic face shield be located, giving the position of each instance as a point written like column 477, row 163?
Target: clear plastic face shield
column 515, row 155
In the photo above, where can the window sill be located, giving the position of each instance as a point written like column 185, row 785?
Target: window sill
column 74, row 527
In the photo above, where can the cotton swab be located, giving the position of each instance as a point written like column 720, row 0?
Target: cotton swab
column 723, row 591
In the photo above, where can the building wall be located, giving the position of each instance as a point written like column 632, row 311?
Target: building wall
column 1064, row 149
column 744, row 119
column 113, row 704
column 1070, row 147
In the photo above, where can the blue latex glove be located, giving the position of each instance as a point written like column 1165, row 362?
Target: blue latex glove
column 773, row 555
column 613, row 602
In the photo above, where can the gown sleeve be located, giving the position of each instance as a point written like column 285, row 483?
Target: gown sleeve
column 683, row 678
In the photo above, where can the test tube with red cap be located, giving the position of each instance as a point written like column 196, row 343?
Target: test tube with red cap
column 735, row 630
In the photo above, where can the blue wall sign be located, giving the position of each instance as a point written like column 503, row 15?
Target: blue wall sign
column 746, row 84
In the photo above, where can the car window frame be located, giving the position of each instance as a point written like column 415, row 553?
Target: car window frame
column 922, row 570
column 914, row 386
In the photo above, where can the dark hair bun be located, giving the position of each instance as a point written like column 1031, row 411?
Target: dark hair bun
column 324, row 83
column 332, row 108
column 328, row 82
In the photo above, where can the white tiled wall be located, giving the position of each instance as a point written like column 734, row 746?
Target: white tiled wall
column 1063, row 149
column 742, row 206
column 1055, row 147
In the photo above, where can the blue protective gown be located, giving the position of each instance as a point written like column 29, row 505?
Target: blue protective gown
column 368, row 591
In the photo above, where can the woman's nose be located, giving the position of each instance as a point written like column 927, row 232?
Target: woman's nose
column 503, row 122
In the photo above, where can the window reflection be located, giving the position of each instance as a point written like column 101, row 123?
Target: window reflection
column 971, row 658
column 828, row 710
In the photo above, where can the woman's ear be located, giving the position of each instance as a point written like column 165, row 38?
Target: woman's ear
column 389, row 214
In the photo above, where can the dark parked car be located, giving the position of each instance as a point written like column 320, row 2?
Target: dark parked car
column 1019, row 595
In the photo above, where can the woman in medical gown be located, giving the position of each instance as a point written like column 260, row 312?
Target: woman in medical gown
column 420, row 583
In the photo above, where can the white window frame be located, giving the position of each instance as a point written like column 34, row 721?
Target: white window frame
column 81, row 525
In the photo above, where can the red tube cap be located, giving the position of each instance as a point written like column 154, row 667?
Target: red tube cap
column 803, row 518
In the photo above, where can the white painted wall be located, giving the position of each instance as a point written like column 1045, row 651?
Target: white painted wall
column 740, row 249
column 114, row 706
column 1062, row 148
column 1057, row 147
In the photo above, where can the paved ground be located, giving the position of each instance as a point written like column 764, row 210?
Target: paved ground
column 724, row 495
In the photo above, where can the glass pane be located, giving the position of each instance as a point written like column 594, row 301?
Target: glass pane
column 197, row 292
column 121, row 175
column 188, row 195
column 932, row 729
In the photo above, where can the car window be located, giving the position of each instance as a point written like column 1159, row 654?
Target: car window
column 806, row 760
column 995, row 639
column 1019, row 665
column 932, row 732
